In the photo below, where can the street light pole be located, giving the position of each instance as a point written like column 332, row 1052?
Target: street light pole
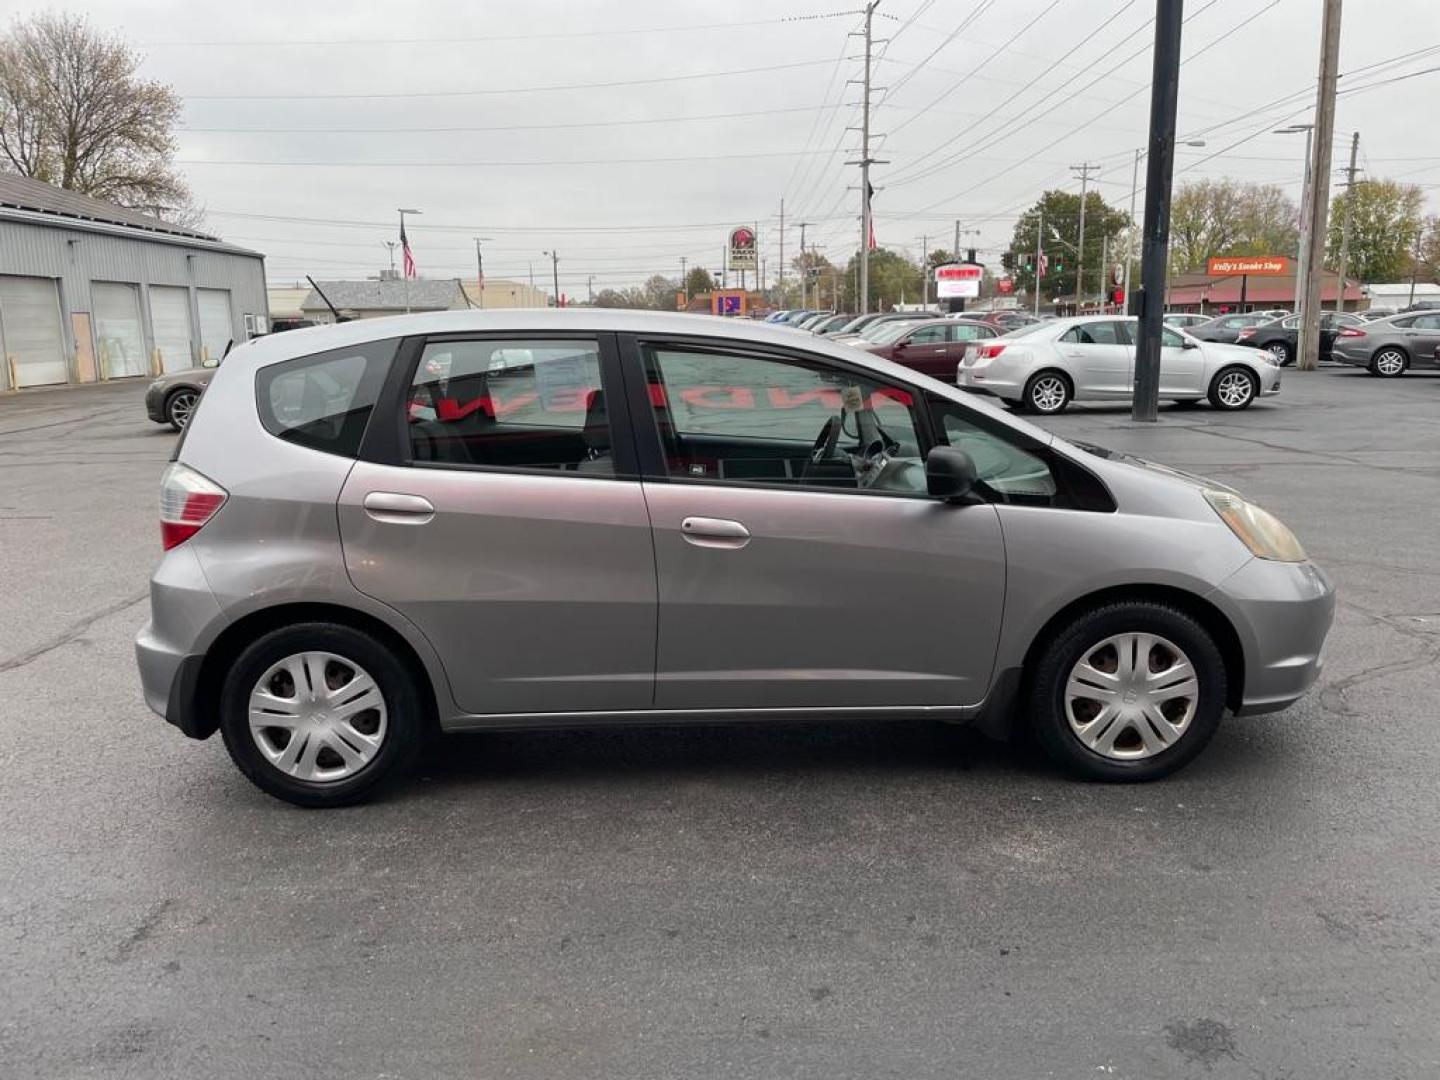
column 555, row 272
column 1134, row 191
column 480, row 271
column 391, row 245
column 1317, row 204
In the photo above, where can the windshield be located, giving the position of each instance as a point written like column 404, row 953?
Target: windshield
column 1028, row 330
column 886, row 332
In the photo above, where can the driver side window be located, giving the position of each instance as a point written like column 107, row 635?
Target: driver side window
column 724, row 417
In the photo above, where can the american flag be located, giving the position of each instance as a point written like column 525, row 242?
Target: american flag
column 1043, row 265
column 870, row 194
column 405, row 247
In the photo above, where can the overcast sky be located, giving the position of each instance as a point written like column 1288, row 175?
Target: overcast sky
column 982, row 114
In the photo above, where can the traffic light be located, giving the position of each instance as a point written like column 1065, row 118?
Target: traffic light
column 1007, row 260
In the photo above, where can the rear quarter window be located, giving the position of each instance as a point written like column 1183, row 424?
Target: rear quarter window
column 324, row 401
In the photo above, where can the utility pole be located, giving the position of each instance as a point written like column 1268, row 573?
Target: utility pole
column 555, row 271
column 924, row 272
column 590, row 289
column 866, row 161
column 1039, row 255
column 804, row 268
column 1319, row 195
column 1130, row 232
column 1345, row 226
column 1159, row 171
column 480, row 271
column 1104, row 268
column 1415, row 265
column 780, row 287
column 955, row 250
column 684, row 284
column 1085, row 169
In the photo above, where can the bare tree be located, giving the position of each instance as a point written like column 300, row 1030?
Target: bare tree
column 1229, row 217
column 74, row 114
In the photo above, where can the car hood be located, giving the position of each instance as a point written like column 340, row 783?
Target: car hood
column 1194, row 480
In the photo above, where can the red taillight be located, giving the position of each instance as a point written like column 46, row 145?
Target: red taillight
column 187, row 501
column 1351, row 331
column 989, row 352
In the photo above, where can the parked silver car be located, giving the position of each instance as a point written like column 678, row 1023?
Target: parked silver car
column 465, row 521
column 1042, row 368
column 1390, row 347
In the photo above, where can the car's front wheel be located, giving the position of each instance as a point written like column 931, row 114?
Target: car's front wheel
column 319, row 713
column 1128, row 691
column 1233, row 388
column 1047, row 393
column 180, row 406
column 1388, row 363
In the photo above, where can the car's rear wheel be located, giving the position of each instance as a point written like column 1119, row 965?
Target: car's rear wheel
column 1281, row 351
column 1233, row 388
column 319, row 714
column 1388, row 363
column 1047, row 393
column 1128, row 691
column 180, row 406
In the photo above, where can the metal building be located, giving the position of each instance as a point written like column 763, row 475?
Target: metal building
column 90, row 291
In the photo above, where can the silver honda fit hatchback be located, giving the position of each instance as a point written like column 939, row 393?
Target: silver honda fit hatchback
column 466, row 521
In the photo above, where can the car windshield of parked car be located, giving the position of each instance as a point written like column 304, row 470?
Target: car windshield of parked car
column 1028, row 330
column 888, row 332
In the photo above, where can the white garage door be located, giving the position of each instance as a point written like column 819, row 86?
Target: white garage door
column 170, row 326
column 217, row 328
column 30, row 331
column 118, row 337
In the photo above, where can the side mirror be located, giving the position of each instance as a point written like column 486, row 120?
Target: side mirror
column 1186, row 343
column 949, row 474
column 900, row 346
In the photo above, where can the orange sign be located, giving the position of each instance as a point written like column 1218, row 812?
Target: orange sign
column 1250, row 265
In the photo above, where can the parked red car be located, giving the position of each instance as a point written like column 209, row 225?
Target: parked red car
column 932, row 347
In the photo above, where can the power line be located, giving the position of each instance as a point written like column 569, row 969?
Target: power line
column 506, row 90
column 492, row 164
column 969, row 19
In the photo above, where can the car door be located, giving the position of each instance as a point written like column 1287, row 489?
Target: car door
column 1422, row 338
column 1182, row 368
column 787, row 580
column 1099, row 358
column 927, row 349
column 509, row 524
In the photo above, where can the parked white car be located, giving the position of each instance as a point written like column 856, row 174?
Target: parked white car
column 1043, row 368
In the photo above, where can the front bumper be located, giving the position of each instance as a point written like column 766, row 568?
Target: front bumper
column 1343, row 354
column 155, row 403
column 169, row 649
column 1282, row 613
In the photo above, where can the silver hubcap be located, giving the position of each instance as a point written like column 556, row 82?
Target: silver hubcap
column 1131, row 696
column 1390, row 363
column 1280, row 352
column 181, row 406
column 317, row 717
column 1235, row 388
column 1048, row 394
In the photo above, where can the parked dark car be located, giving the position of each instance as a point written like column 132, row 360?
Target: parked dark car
column 1226, row 328
column 833, row 323
column 866, row 325
column 1281, row 337
column 1390, row 347
column 932, row 347
column 172, row 398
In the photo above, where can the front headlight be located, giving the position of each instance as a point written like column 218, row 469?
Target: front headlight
column 1259, row 530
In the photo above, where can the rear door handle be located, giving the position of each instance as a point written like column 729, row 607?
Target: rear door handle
column 714, row 532
column 398, row 509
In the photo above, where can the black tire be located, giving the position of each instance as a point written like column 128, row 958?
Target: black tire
column 1042, row 385
column 179, row 405
column 1389, row 362
column 404, row 713
column 1283, row 351
column 1223, row 394
column 1051, row 671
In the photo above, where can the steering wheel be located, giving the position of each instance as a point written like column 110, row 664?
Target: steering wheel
column 824, row 446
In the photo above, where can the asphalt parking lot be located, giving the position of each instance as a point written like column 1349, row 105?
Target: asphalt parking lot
column 792, row 901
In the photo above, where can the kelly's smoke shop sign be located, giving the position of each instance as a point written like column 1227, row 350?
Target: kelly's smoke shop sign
column 743, row 255
column 1248, row 266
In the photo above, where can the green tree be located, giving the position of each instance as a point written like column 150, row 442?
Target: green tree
column 1061, row 213
column 698, row 281
column 74, row 114
column 1229, row 217
column 659, row 292
column 1386, row 220
column 817, row 273
column 894, row 279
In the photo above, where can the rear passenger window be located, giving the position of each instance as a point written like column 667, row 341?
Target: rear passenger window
column 324, row 401
column 514, row 403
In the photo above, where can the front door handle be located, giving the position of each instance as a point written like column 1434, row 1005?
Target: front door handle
column 395, row 508
column 714, row 532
